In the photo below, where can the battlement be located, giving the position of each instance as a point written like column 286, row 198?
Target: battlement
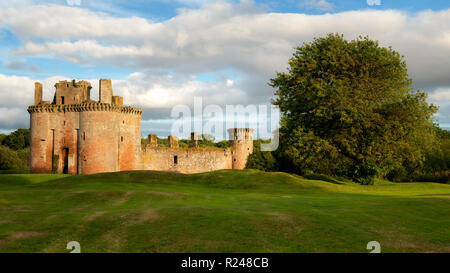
column 240, row 133
column 72, row 84
column 73, row 92
column 82, row 107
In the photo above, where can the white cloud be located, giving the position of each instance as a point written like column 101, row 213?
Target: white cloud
column 156, row 93
column 16, row 91
column 219, row 36
column 12, row 118
column 162, row 90
column 222, row 35
column 440, row 95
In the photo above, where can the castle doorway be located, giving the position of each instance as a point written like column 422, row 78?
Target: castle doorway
column 66, row 160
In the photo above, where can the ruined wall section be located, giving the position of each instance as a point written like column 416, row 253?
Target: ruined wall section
column 72, row 92
column 105, row 91
column 186, row 160
column 37, row 93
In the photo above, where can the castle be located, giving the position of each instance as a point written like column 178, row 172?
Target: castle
column 76, row 135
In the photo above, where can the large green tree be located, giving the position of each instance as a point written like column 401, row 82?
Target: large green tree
column 348, row 108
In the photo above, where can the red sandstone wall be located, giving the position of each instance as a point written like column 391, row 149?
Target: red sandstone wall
column 65, row 125
column 129, row 142
column 41, row 143
column 98, row 142
column 242, row 145
column 51, row 133
column 241, row 150
column 190, row 160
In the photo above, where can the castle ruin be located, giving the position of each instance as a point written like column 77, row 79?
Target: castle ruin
column 76, row 135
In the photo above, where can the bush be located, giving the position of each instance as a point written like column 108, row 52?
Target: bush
column 223, row 144
column 24, row 156
column 365, row 173
column 302, row 152
column 13, row 160
column 258, row 160
column 437, row 178
column 17, row 140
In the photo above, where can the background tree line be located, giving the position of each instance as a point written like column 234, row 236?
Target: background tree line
column 15, row 150
column 349, row 110
column 204, row 141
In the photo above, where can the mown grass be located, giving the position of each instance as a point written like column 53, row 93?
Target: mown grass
column 222, row 211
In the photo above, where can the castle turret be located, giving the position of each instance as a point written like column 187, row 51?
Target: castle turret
column 152, row 140
column 242, row 143
column 173, row 141
column 72, row 92
column 194, row 140
column 106, row 92
column 37, row 93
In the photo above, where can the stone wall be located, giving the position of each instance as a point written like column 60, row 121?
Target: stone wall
column 186, row 160
column 41, row 143
column 130, row 142
column 99, row 145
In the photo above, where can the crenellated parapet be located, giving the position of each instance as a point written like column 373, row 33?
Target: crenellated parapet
column 83, row 107
column 131, row 110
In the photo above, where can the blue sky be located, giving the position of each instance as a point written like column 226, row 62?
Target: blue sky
column 161, row 9
column 163, row 53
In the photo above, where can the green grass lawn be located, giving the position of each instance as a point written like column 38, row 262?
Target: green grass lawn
column 222, row 211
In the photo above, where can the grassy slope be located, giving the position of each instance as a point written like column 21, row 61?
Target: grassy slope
column 223, row 211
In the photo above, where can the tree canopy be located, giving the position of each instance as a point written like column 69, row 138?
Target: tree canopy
column 15, row 150
column 348, row 108
column 17, row 140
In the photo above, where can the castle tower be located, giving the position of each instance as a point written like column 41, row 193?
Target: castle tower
column 242, row 143
column 41, row 141
column 75, row 135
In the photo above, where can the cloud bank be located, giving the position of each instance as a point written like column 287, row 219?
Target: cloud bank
column 242, row 38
